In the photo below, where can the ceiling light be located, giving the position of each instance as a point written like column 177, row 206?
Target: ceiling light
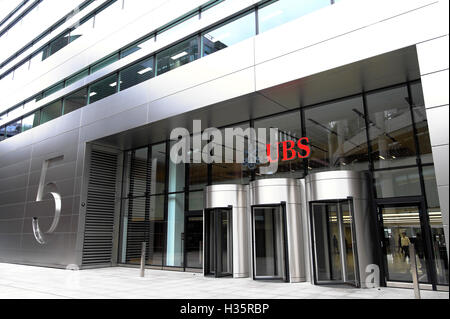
column 179, row 55
column 143, row 71
column 381, row 157
column 92, row 93
column 113, row 84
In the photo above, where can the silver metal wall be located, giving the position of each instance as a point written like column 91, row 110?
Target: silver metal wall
column 341, row 185
column 275, row 191
column 221, row 196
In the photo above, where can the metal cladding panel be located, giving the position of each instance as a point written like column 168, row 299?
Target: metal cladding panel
column 99, row 223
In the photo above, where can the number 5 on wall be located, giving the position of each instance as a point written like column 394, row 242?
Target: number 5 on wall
column 38, row 234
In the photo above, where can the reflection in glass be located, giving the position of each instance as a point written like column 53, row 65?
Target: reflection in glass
column 103, row 88
column 269, row 244
column 289, row 128
column 176, row 175
column 2, row 133
column 177, row 55
column 158, row 169
column 75, row 101
column 337, row 133
column 13, row 129
column 105, row 62
column 51, row 111
column 175, row 230
column 77, row 77
column 436, row 223
column 401, row 228
column 400, row 182
column 391, row 130
column 53, row 89
column 30, row 121
column 137, row 73
column 146, row 43
column 232, row 32
column 281, row 11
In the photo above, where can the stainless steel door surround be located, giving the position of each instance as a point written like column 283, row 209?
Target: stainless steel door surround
column 233, row 197
column 269, row 198
column 350, row 187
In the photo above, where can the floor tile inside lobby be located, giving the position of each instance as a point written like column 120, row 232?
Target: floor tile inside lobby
column 17, row 281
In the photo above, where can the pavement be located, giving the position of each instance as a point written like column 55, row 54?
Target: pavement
column 29, row 282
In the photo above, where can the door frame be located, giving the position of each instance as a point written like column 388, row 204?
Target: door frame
column 282, row 206
column 206, row 243
column 350, row 201
column 187, row 214
column 419, row 202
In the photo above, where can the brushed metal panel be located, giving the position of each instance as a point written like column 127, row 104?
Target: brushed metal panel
column 114, row 124
column 12, row 211
column 440, row 157
column 224, row 88
column 19, row 181
column 11, row 226
column 14, row 169
column 433, row 55
column 13, row 197
column 437, row 118
column 295, row 237
column 8, row 242
column 435, row 89
column 19, row 155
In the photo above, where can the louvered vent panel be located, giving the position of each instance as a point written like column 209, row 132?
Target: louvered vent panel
column 99, row 224
column 138, row 210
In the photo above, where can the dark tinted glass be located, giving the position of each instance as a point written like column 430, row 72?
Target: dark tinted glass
column 2, row 133
column 103, row 88
column 176, row 56
column 75, row 101
column 137, row 73
column 51, row 111
column 14, row 128
column 391, row 130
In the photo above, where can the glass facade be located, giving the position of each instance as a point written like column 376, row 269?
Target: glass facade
column 103, row 88
column 176, row 56
column 75, row 101
column 344, row 134
column 136, row 74
column 51, row 111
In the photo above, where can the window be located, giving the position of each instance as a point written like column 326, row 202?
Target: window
column 2, row 133
column 421, row 122
column 30, row 121
column 77, row 77
column 105, row 62
column 279, row 12
column 56, row 45
column 289, row 129
column 391, row 130
column 158, row 169
column 137, row 73
column 103, row 88
column 176, row 56
column 146, row 43
column 337, row 134
column 232, row 32
column 176, row 175
column 75, row 100
column 401, row 182
column 51, row 111
column 14, row 128
column 175, row 230
column 85, row 28
column 53, row 89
